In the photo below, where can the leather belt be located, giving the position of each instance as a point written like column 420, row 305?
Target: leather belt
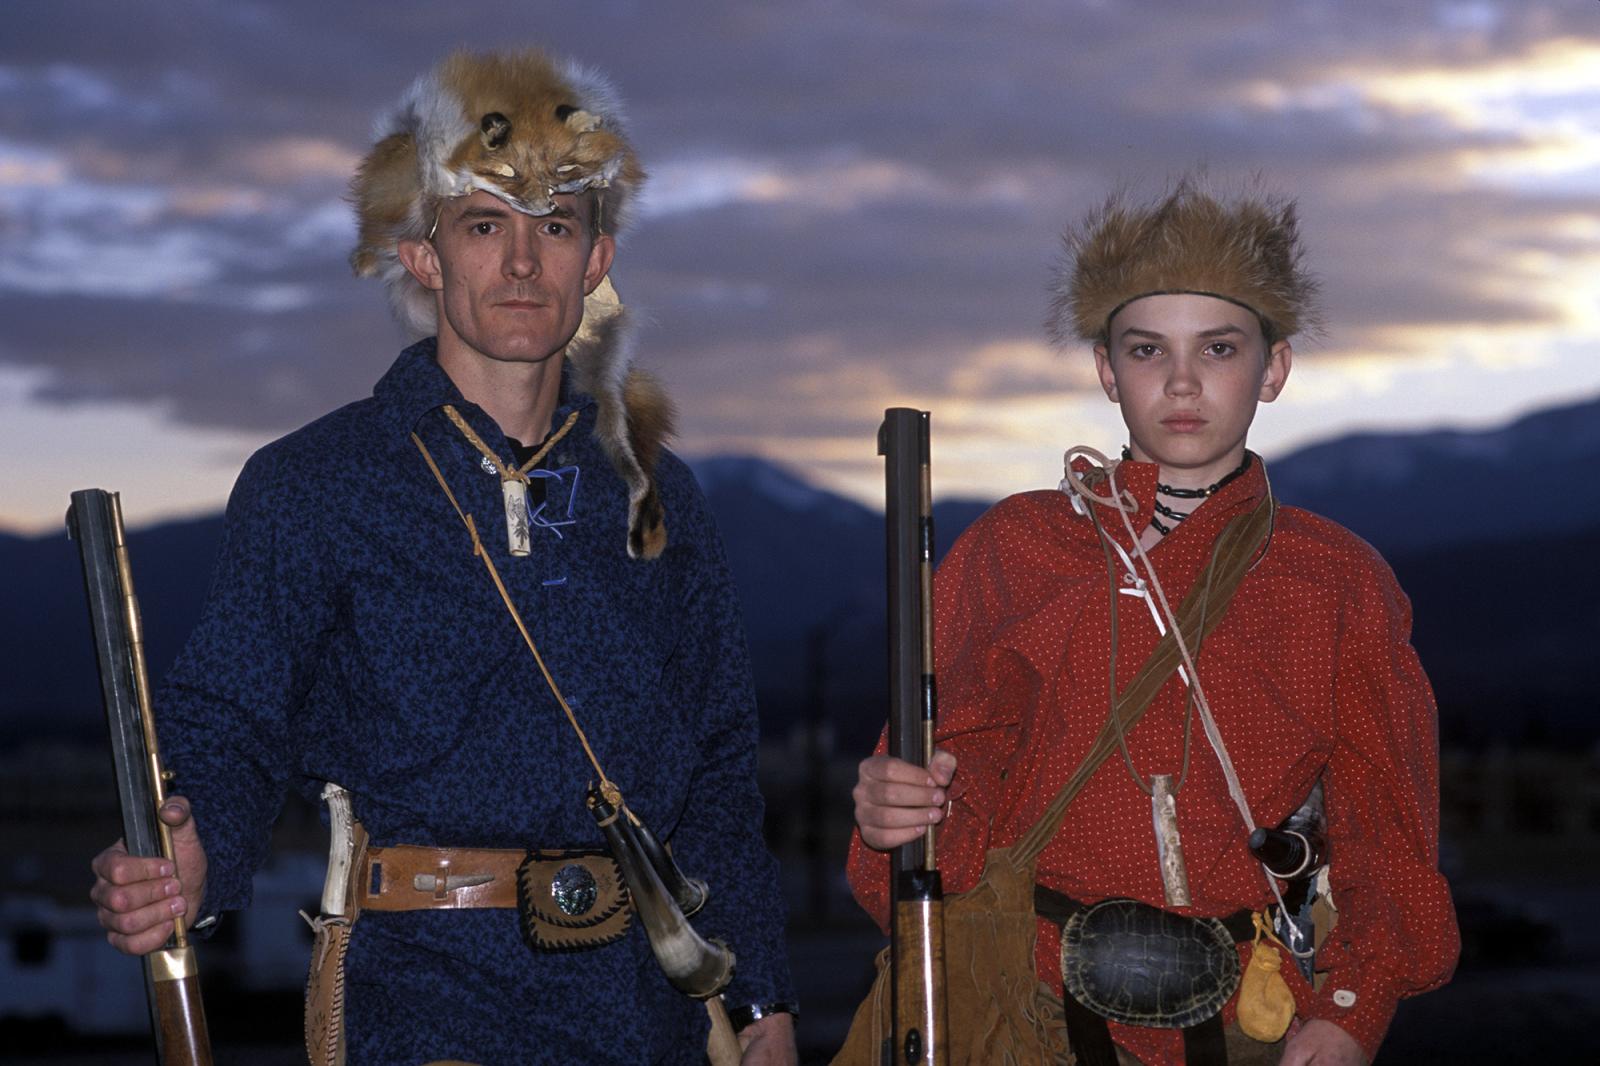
column 1057, row 907
column 409, row 878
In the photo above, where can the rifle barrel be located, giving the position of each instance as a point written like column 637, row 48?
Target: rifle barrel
column 172, row 989
column 917, row 949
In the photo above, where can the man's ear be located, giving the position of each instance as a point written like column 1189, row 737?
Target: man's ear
column 1279, row 359
column 601, row 254
column 1102, row 366
column 421, row 261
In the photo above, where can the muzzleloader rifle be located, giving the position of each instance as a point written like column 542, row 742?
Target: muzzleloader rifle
column 172, row 980
column 919, row 1013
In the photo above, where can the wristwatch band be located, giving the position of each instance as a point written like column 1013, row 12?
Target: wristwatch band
column 753, row 1012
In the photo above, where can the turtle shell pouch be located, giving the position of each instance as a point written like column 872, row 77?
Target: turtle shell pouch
column 1140, row 965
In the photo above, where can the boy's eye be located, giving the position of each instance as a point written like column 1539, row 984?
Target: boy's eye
column 1220, row 350
column 483, row 229
column 1144, row 351
column 556, row 229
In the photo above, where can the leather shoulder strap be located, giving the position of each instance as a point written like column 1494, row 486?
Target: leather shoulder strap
column 1231, row 556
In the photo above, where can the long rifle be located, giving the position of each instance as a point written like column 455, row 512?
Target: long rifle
column 171, row 978
column 917, row 936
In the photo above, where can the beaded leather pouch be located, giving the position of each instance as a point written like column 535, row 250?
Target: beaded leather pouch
column 571, row 900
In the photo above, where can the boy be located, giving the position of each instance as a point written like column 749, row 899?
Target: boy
column 1189, row 304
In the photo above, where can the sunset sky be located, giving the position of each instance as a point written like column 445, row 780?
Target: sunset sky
column 852, row 206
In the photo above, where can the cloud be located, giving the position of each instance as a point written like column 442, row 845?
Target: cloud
column 212, row 364
column 57, row 262
column 286, row 160
column 1527, row 118
column 28, row 167
column 1005, row 369
column 850, row 205
column 190, row 237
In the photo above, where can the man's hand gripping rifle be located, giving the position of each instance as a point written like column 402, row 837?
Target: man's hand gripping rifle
column 172, row 980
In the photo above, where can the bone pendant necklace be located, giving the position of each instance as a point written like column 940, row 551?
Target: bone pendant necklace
column 1161, row 788
column 514, row 491
column 1169, row 848
column 1163, row 793
column 513, row 479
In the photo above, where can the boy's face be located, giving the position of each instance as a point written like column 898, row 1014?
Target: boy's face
column 1188, row 371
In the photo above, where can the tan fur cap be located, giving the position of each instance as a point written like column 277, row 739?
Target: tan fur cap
column 521, row 126
column 1246, row 251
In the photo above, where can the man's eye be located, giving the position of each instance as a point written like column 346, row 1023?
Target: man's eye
column 483, row 229
column 556, row 229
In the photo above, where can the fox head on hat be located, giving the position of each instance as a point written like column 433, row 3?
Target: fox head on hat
column 524, row 127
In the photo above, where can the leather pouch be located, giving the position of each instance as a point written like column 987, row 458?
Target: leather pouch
column 571, row 900
column 324, row 1016
column 999, row 1010
column 1266, row 1006
column 324, row 1008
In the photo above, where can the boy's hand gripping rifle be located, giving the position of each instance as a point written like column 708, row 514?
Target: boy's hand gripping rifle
column 917, row 935
column 172, row 980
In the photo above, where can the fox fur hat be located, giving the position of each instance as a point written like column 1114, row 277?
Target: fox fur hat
column 524, row 127
column 1246, row 251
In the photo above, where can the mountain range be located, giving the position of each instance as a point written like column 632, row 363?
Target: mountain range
column 1490, row 533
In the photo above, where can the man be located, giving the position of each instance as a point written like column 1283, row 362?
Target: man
column 1189, row 304
column 464, row 602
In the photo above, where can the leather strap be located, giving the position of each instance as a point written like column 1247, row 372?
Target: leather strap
column 1057, row 907
column 1231, row 557
column 1204, row 1044
column 409, row 878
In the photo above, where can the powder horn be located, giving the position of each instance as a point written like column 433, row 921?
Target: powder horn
column 689, row 892
column 694, row 966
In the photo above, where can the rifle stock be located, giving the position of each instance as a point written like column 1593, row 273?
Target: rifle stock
column 920, row 1028
column 172, row 979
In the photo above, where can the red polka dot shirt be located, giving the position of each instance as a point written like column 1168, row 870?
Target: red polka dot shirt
column 1310, row 674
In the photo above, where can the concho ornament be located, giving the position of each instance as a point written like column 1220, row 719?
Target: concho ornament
column 1140, row 965
column 571, row 900
column 574, row 890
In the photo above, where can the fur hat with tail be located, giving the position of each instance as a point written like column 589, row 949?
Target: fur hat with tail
column 524, row 127
column 1246, row 251
column 635, row 416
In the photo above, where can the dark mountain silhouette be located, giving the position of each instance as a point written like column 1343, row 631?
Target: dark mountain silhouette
column 810, row 571
column 1408, row 492
column 1500, row 556
column 50, row 685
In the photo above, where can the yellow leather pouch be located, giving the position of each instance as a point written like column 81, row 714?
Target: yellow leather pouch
column 1266, row 1006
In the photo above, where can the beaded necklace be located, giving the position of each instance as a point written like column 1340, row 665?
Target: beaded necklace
column 1163, row 489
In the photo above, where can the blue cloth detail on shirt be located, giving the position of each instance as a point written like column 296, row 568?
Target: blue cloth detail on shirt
column 553, row 478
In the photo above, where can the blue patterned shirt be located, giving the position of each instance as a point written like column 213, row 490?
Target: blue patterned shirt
column 351, row 636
